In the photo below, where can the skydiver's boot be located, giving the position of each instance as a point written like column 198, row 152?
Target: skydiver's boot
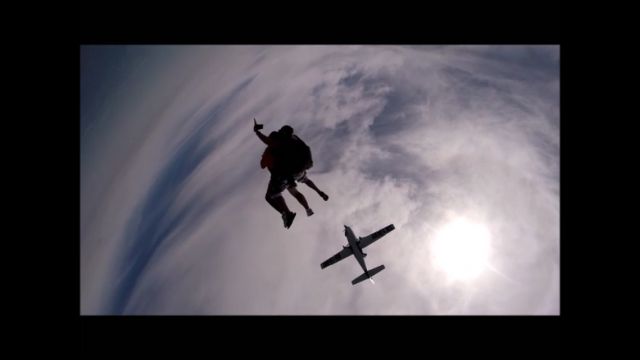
column 287, row 218
column 309, row 212
column 324, row 196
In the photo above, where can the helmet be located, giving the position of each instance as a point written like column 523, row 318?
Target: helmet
column 286, row 130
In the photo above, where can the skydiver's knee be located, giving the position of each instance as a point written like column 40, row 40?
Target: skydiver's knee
column 271, row 196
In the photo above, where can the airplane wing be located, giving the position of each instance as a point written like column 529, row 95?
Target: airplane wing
column 337, row 257
column 369, row 239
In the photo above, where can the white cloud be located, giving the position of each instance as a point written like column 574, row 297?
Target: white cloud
column 399, row 135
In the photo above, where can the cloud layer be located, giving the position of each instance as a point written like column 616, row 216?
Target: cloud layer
column 173, row 217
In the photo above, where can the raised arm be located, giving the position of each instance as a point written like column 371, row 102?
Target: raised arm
column 261, row 136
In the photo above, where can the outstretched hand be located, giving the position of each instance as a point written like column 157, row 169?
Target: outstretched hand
column 256, row 126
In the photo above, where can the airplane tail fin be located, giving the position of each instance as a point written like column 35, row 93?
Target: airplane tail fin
column 365, row 276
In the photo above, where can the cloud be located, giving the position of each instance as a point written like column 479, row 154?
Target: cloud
column 173, row 217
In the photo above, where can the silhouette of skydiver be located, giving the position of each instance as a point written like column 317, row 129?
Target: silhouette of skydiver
column 298, row 158
column 287, row 158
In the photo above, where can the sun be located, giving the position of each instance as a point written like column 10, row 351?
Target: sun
column 461, row 249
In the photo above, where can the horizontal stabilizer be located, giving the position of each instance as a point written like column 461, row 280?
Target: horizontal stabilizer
column 365, row 276
column 376, row 270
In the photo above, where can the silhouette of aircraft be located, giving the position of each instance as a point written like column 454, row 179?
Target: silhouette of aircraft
column 355, row 248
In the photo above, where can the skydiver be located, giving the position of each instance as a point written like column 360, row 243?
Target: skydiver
column 278, row 180
column 287, row 157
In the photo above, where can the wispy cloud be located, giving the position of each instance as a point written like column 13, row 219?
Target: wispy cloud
column 173, row 213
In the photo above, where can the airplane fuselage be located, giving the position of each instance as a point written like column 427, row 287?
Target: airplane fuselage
column 353, row 243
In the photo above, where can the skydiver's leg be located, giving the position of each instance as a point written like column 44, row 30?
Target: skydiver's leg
column 274, row 195
column 301, row 199
column 275, row 199
column 310, row 184
column 277, row 202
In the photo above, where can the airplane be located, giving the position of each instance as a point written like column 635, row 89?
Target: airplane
column 355, row 248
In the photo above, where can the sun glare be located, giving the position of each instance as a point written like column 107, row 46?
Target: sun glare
column 461, row 249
